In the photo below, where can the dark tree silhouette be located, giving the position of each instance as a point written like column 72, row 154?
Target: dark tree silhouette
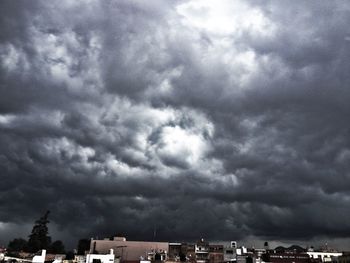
column 17, row 245
column 69, row 255
column 182, row 257
column 39, row 238
column 83, row 245
column 57, row 247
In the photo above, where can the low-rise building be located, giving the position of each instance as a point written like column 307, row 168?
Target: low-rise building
column 202, row 251
column 230, row 252
column 216, row 253
column 284, row 257
column 324, row 256
column 345, row 258
column 175, row 251
column 128, row 251
column 100, row 258
column 79, row 258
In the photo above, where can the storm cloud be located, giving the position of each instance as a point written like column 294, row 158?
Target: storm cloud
column 219, row 120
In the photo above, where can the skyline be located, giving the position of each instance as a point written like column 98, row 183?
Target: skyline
column 227, row 121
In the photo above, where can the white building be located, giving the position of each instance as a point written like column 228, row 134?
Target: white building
column 100, row 258
column 324, row 256
column 41, row 258
column 241, row 251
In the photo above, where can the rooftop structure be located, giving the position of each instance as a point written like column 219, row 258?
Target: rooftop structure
column 324, row 256
column 99, row 258
column 41, row 258
column 128, row 251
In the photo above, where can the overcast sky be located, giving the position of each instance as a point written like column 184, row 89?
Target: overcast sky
column 215, row 119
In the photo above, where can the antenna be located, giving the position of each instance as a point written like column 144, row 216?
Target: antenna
column 154, row 232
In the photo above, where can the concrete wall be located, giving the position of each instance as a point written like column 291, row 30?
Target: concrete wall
column 127, row 250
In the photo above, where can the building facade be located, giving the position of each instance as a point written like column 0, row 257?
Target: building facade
column 128, row 251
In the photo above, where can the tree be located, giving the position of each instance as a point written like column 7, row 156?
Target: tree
column 70, row 255
column 57, row 247
column 83, row 245
column 17, row 245
column 39, row 238
column 182, row 257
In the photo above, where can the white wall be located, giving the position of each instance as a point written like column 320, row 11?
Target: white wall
column 109, row 258
column 41, row 258
column 325, row 256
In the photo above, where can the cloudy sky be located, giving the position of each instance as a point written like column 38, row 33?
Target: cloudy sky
column 215, row 119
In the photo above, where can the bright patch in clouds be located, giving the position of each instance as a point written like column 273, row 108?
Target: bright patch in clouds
column 224, row 17
column 180, row 144
column 6, row 119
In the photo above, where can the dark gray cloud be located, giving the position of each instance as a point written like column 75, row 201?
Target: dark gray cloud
column 227, row 121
